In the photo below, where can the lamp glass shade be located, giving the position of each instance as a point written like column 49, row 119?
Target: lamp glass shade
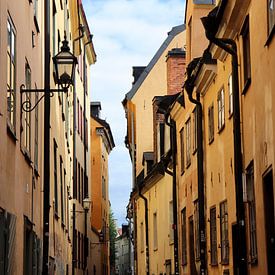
column 64, row 66
column 86, row 203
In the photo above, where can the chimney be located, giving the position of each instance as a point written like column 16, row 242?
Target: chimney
column 176, row 64
column 95, row 108
column 137, row 71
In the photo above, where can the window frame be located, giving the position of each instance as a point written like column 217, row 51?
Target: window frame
column 195, row 130
column 221, row 110
column 270, row 25
column 183, row 237
column 246, row 55
column 155, row 230
column 188, row 142
column 55, row 180
column 252, row 215
column 196, row 230
column 211, row 125
column 230, row 96
column 182, row 156
column 224, row 233
column 26, row 116
column 11, row 77
column 213, row 236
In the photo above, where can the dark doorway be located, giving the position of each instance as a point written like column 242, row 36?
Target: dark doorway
column 268, row 193
column 235, row 248
column 193, row 269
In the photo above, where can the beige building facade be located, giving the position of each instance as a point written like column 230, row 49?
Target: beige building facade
column 22, row 177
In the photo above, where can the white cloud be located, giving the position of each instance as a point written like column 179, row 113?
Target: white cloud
column 126, row 33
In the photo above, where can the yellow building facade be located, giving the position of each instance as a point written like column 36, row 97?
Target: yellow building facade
column 237, row 147
column 152, row 187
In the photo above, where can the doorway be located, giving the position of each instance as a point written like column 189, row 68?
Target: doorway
column 268, row 193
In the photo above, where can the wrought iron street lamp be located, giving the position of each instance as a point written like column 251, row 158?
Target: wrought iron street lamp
column 64, row 67
column 86, row 204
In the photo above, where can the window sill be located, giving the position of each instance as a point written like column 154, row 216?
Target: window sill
column 36, row 24
column 195, row 151
column 270, row 36
column 188, row 165
column 11, row 131
column 221, row 129
column 27, row 155
column 246, row 86
column 230, row 115
column 56, row 215
column 36, row 171
column 210, row 141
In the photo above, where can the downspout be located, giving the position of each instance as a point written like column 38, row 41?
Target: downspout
column 86, row 195
column 47, row 110
column 201, row 191
column 74, row 147
column 229, row 45
column 173, row 140
column 146, row 233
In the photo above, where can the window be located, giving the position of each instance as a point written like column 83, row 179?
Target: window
column 161, row 139
column 7, row 240
column 213, row 236
column 36, row 117
column 183, row 237
column 78, row 117
column 271, row 15
column 188, row 142
column 211, row 123
column 27, row 115
column 246, row 54
column 155, row 227
column 196, row 229
column 75, row 180
column 65, row 201
column 230, row 95
column 55, row 180
column 224, row 233
column 61, row 190
column 11, row 76
column 189, row 48
column 252, row 213
column 86, row 134
column 141, row 237
column 54, row 28
column 195, row 128
column 182, row 150
column 171, row 222
column 221, row 120
column 81, row 123
column 79, row 182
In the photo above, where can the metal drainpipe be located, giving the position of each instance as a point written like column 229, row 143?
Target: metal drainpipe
column 85, row 148
column 201, row 192
column 230, row 47
column 146, row 233
column 47, row 109
column 74, row 145
column 173, row 140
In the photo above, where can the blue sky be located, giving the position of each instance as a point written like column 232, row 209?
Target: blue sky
column 126, row 33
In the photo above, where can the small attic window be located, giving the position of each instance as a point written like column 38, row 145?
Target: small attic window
column 206, row 2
